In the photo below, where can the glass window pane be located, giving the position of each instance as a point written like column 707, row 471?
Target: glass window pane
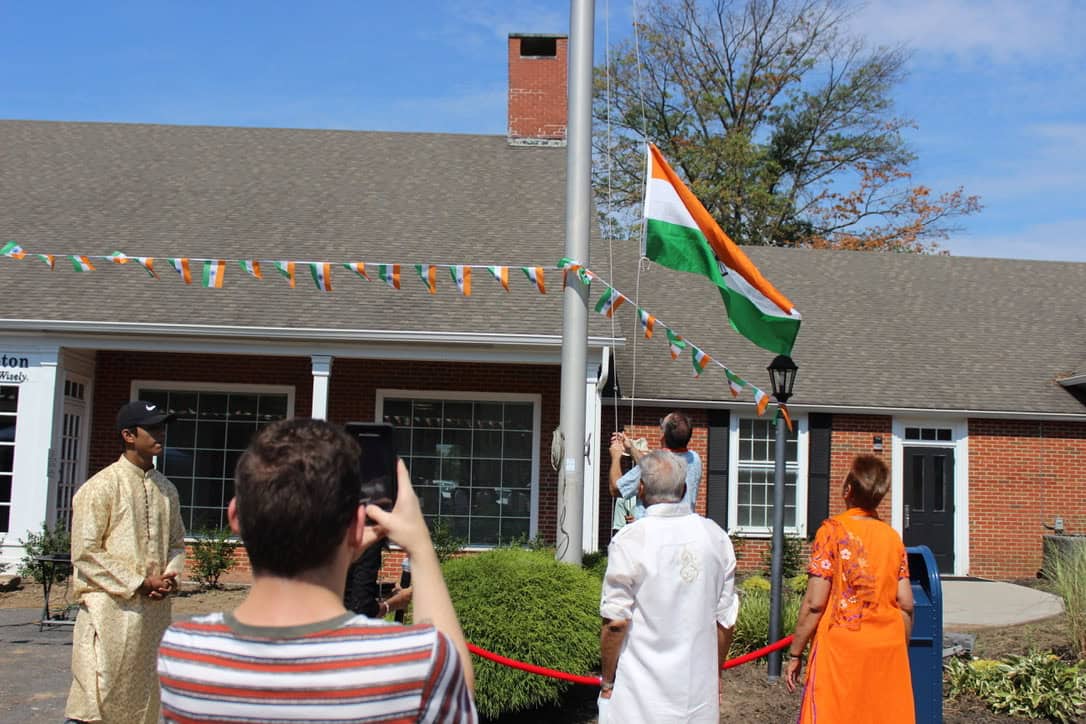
column 206, row 519
column 209, row 463
column 918, row 482
column 487, row 444
column 459, row 439
column 517, row 445
column 457, row 470
column 238, row 435
column 912, row 433
column 402, row 441
column 517, row 473
column 181, row 433
column 184, row 490
column 177, row 463
column 7, row 458
column 9, row 398
column 212, row 406
column 458, row 415
column 488, row 416
column 183, row 404
column 5, row 488
column 944, row 434
column 518, row 416
column 484, row 501
column 425, row 441
column 423, row 470
column 207, row 493
column 5, row 513
column 273, row 407
column 397, row 412
column 244, row 408
column 484, row 531
column 210, row 434
column 427, row 414
column 927, row 434
column 428, row 498
column 514, row 529
column 7, row 428
column 486, row 473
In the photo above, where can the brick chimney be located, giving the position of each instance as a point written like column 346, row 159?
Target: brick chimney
column 537, row 89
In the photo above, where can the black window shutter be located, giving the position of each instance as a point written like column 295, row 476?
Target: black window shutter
column 716, row 486
column 819, row 426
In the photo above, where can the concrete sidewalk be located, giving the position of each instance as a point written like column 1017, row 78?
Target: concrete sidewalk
column 973, row 602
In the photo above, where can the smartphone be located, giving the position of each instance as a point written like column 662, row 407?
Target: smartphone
column 378, row 462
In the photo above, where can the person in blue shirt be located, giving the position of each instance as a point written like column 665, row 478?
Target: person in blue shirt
column 675, row 432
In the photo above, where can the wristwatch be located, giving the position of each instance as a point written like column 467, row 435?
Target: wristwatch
column 607, row 685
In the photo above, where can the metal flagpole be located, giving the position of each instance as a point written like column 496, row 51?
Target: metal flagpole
column 575, row 295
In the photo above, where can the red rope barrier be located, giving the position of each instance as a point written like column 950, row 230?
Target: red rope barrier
column 595, row 680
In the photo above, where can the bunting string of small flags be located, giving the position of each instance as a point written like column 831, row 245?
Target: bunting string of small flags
column 214, row 272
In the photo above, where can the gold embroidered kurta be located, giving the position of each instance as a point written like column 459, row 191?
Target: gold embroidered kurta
column 126, row 525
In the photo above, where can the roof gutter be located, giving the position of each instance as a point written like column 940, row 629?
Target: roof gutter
column 868, row 410
column 306, row 334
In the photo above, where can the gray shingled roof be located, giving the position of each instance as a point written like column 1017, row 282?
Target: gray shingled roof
column 880, row 330
column 152, row 190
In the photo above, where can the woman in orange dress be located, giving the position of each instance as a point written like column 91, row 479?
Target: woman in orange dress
column 861, row 603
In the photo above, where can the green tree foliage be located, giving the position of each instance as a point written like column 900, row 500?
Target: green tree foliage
column 525, row 605
column 778, row 118
column 48, row 541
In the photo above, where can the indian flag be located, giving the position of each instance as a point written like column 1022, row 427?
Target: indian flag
column 81, row 263
column 148, row 263
column 676, row 343
column 735, row 382
column 535, row 275
column 680, row 234
column 286, row 268
column 322, row 275
column 358, row 268
column 13, row 250
column 609, row 302
column 428, row 275
column 501, row 273
column 647, row 322
column 48, row 259
column 251, row 267
column 461, row 274
column 214, row 271
column 390, row 274
column 119, row 257
column 181, row 266
column 699, row 359
column 761, row 399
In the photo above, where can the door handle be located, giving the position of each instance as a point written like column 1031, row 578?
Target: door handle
column 906, row 515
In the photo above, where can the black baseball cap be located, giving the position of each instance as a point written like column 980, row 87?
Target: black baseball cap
column 140, row 413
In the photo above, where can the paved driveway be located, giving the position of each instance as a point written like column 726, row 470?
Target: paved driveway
column 35, row 668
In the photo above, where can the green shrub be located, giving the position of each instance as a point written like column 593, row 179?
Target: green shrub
column 755, row 583
column 1034, row 686
column 793, row 559
column 446, row 545
column 1068, row 576
column 797, row 583
column 596, row 563
column 525, row 605
column 752, row 626
column 47, row 542
column 213, row 555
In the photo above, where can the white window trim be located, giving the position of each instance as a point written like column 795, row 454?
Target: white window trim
column 802, row 442
column 959, row 442
column 479, row 396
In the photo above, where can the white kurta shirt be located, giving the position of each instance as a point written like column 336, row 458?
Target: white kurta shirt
column 672, row 576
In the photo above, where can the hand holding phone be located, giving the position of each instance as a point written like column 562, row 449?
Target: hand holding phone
column 377, row 464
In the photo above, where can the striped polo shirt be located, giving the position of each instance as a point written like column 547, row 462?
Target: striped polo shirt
column 350, row 669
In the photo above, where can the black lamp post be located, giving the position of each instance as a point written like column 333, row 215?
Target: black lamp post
column 782, row 375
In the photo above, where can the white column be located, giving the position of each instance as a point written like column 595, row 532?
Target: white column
column 596, row 373
column 33, row 443
column 322, row 370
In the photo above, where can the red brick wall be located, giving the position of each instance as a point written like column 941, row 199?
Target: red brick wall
column 1022, row 474
column 537, row 93
column 853, row 435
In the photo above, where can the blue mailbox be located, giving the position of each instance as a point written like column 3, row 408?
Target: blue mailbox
column 926, row 642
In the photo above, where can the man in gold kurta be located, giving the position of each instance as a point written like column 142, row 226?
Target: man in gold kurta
column 128, row 547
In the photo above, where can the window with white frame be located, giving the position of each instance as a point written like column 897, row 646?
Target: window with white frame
column 9, row 406
column 213, row 426
column 473, row 461
column 753, row 450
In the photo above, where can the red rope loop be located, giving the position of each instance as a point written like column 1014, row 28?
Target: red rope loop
column 595, row 680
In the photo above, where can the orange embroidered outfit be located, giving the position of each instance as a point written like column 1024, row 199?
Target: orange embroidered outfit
column 859, row 667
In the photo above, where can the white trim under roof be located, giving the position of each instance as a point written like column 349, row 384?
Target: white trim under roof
column 1073, row 380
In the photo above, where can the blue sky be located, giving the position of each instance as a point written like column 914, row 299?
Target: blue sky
column 997, row 88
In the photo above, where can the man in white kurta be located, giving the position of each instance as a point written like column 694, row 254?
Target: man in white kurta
column 128, row 547
column 669, row 607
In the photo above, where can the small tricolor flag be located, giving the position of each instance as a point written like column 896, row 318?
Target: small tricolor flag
column 119, row 257
column 48, row 259
column 322, row 275
column 286, row 268
column 148, row 263
column 81, row 263
column 390, row 274
column 501, row 273
column 181, row 266
column 358, row 268
column 535, row 275
column 609, row 302
column 735, row 382
column 13, row 250
column 461, row 274
column 647, row 322
column 428, row 275
column 761, row 399
column 699, row 359
column 214, row 270
column 676, row 343
column 251, row 267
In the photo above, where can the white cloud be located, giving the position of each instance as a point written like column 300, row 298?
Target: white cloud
column 977, row 31
column 1057, row 240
